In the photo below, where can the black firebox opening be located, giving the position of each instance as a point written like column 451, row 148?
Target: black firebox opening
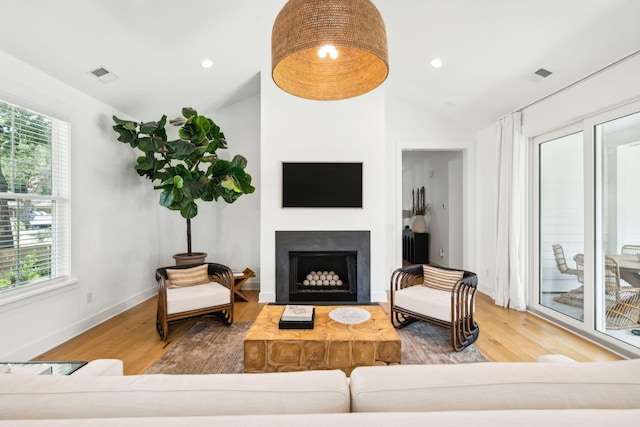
column 323, row 276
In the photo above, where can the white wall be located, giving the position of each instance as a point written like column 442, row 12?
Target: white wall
column 455, row 209
column 485, row 188
column 114, row 239
column 295, row 129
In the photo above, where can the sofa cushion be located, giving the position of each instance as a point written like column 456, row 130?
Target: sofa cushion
column 179, row 278
column 524, row 418
column 173, row 395
column 101, row 367
column 195, row 297
column 495, row 386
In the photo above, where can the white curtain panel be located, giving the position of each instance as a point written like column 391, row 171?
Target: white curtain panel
column 509, row 288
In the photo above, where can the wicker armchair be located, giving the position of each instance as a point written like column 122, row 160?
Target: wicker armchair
column 630, row 250
column 445, row 301
column 622, row 303
column 579, row 259
column 561, row 262
column 191, row 300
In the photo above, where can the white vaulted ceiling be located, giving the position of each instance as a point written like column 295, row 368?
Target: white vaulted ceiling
column 490, row 49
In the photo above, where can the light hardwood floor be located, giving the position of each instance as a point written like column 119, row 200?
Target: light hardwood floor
column 505, row 335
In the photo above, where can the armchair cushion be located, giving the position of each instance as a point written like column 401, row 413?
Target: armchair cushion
column 188, row 276
column 426, row 301
column 438, row 278
column 196, row 297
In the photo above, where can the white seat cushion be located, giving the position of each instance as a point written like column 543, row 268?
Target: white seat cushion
column 196, row 297
column 423, row 300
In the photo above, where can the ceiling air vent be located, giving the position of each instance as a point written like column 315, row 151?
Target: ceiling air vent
column 543, row 73
column 104, row 75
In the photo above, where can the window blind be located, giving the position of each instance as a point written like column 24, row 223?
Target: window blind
column 34, row 197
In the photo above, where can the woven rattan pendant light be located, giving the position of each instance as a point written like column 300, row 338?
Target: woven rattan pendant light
column 352, row 30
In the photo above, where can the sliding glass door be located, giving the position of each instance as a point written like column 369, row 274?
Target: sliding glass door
column 588, row 227
column 617, row 254
column 561, row 224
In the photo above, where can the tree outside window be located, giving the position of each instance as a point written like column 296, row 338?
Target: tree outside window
column 32, row 196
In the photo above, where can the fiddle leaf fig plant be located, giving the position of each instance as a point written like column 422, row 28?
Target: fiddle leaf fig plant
column 186, row 169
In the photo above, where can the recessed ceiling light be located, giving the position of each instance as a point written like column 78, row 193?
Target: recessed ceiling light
column 206, row 63
column 436, row 63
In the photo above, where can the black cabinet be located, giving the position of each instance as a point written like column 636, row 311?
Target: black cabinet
column 415, row 247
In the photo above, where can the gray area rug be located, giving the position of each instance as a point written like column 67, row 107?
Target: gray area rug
column 213, row 348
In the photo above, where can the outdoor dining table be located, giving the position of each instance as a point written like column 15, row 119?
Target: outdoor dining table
column 629, row 268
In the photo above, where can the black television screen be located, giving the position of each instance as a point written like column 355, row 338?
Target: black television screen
column 322, row 185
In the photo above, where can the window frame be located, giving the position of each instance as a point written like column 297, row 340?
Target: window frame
column 60, row 197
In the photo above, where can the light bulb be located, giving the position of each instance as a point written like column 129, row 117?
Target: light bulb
column 328, row 50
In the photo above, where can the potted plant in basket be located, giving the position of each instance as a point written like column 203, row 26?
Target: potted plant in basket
column 186, row 169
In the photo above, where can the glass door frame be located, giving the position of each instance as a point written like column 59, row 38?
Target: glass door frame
column 534, row 234
column 593, row 319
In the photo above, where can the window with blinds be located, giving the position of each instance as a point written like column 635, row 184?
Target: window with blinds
column 34, row 197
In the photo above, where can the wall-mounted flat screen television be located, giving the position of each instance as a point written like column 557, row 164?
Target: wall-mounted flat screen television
column 322, row 185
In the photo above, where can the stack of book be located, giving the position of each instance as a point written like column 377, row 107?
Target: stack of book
column 297, row 317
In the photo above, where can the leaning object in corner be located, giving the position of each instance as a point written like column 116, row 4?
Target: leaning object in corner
column 297, row 317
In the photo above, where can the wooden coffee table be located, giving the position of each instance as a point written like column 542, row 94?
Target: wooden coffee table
column 330, row 345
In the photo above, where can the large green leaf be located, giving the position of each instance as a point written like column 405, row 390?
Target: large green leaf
column 189, row 112
column 181, row 170
column 209, row 192
column 219, row 168
column 152, row 128
column 239, row 161
column 149, row 166
column 127, row 131
column 178, row 195
column 181, row 149
column 203, row 124
column 128, row 124
column 230, row 184
column 166, row 198
column 189, row 210
column 146, row 162
column 192, row 188
column 151, row 144
column 244, row 183
column 167, row 183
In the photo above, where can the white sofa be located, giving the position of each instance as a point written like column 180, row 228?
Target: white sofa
column 513, row 394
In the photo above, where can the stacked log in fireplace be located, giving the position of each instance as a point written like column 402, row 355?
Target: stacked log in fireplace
column 322, row 278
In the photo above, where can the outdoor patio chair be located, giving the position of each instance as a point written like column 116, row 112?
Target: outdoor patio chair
column 630, row 250
column 622, row 303
column 561, row 262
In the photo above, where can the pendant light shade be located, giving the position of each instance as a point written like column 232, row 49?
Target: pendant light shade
column 329, row 49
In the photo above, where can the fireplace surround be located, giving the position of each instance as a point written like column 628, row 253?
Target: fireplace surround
column 345, row 253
